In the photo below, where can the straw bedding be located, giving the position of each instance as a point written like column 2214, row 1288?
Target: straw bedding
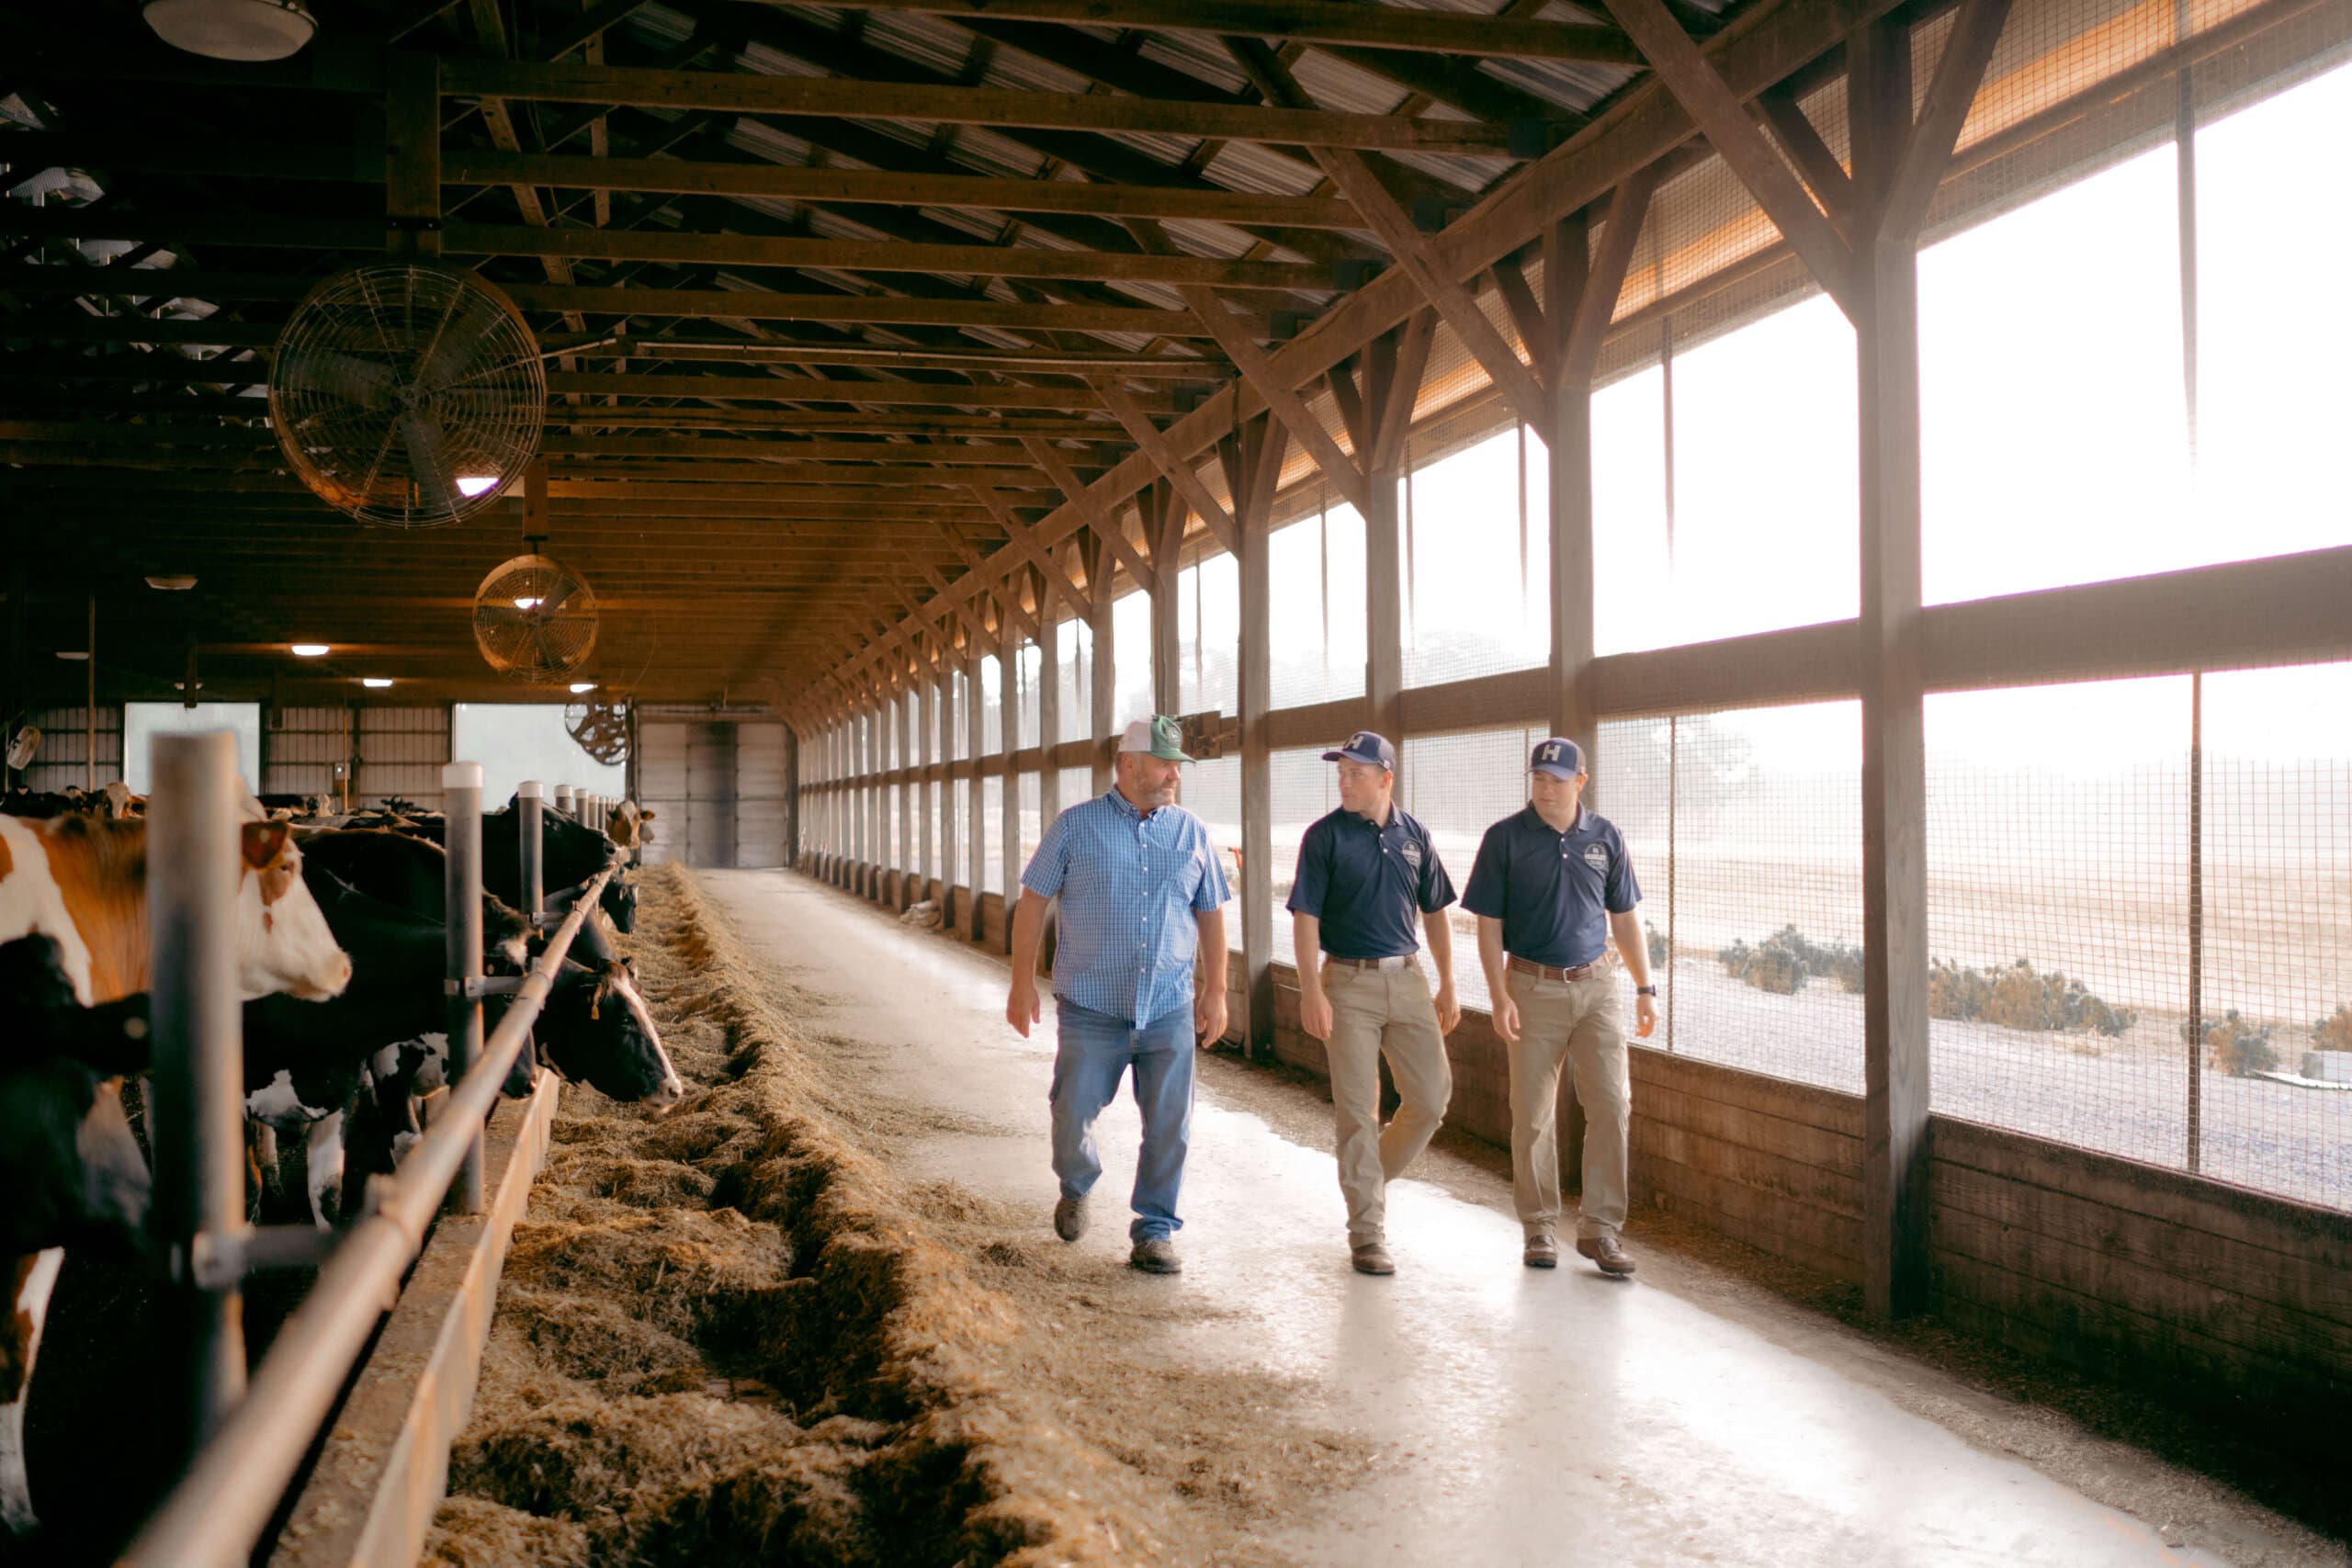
column 733, row 1335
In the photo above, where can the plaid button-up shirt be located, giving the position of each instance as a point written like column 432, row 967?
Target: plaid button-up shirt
column 1130, row 885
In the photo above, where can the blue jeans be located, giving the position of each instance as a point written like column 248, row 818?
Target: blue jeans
column 1096, row 1049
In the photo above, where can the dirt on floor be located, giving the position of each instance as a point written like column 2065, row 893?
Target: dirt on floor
column 730, row 1334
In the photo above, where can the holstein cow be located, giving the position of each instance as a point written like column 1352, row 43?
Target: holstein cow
column 82, row 882
column 305, row 1062
column 594, row 1028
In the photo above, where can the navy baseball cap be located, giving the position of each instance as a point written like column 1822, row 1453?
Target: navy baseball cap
column 1364, row 745
column 1559, row 756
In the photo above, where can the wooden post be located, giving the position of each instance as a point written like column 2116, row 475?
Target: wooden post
column 1049, row 704
column 1009, row 676
column 976, row 850
column 926, row 698
column 1103, row 699
column 946, row 755
column 1168, row 515
column 1384, row 675
column 1252, row 467
column 910, row 790
column 1894, row 799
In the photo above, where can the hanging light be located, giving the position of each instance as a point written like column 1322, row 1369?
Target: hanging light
column 232, row 30
column 472, row 485
column 376, row 682
column 310, row 649
column 579, row 686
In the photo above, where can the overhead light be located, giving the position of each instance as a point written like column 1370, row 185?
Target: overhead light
column 579, row 686
column 378, row 681
column 232, row 30
column 473, row 485
column 75, row 653
column 182, row 686
column 528, row 602
column 173, row 581
column 310, row 649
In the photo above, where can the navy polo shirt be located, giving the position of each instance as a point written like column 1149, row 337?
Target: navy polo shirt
column 1553, row 892
column 1366, row 884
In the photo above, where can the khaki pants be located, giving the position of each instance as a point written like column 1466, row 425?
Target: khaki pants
column 1582, row 1022
column 1377, row 1013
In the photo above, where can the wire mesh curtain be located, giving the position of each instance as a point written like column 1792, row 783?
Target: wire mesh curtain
column 2140, row 903
column 1478, row 560
column 1316, row 567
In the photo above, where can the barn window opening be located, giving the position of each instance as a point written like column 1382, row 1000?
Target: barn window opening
column 514, row 741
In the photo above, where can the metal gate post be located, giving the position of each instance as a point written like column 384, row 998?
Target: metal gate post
column 194, row 869
column 461, row 791
column 530, row 803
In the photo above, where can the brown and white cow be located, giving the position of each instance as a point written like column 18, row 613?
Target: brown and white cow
column 81, row 881
column 625, row 825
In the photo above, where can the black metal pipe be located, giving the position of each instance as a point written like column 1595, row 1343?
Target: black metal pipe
column 461, row 791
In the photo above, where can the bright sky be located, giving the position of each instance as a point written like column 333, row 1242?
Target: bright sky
column 514, row 741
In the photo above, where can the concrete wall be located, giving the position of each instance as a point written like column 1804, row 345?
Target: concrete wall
column 2121, row 1269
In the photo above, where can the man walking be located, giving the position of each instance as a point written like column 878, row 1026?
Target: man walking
column 1551, row 884
column 1364, row 872
column 1142, row 890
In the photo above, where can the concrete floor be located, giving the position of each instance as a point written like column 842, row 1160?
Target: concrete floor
column 1527, row 1417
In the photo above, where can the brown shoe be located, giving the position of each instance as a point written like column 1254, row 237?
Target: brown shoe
column 1371, row 1258
column 1156, row 1256
column 1069, row 1218
column 1541, row 1251
column 1607, row 1251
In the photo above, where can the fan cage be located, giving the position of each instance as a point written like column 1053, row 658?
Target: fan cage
column 407, row 395
column 535, row 618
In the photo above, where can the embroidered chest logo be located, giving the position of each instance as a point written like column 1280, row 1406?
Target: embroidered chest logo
column 1597, row 857
column 1413, row 853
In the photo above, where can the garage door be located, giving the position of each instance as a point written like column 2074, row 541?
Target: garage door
column 721, row 792
column 662, row 788
column 763, row 795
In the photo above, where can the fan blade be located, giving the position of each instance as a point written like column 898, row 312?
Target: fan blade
column 427, row 461
column 363, row 382
column 566, row 587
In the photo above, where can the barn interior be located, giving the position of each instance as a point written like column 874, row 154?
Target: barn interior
column 1896, row 439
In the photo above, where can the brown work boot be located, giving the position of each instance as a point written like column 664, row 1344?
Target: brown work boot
column 1607, row 1251
column 1156, row 1255
column 1542, row 1252
column 1371, row 1258
column 1069, row 1218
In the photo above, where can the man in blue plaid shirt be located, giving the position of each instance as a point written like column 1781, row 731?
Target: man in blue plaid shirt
column 1142, row 890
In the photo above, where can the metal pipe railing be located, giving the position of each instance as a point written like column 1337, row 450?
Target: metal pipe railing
column 461, row 792
column 197, row 1085
column 218, row 1512
column 563, row 799
column 530, row 800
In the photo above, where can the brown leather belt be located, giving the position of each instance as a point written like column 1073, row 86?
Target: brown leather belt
column 1398, row 962
column 1546, row 972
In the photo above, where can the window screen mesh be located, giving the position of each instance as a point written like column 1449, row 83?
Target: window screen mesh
column 2136, row 851
column 1208, row 618
column 1478, row 561
column 1302, row 787
column 1315, row 569
column 993, row 835
column 1076, row 681
column 1131, row 658
column 1028, row 660
column 1765, row 913
column 1212, row 792
column 992, row 705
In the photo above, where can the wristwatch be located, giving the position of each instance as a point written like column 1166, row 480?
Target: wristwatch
column 1645, row 990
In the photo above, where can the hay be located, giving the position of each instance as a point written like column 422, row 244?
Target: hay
column 732, row 1335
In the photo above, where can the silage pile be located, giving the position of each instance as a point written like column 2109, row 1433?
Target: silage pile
column 730, row 1336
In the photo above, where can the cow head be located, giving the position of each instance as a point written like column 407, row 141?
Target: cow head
column 283, row 942
column 597, row 1029
column 619, row 901
column 72, row 1170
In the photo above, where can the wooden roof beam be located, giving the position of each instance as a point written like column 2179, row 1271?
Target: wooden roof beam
column 1178, row 473
column 760, row 94
column 1308, row 21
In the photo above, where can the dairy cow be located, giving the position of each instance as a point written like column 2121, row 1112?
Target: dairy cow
column 82, row 882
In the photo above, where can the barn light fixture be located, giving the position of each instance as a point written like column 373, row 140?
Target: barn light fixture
column 76, row 653
column 471, row 485
column 173, row 581
column 579, row 686
column 528, row 602
column 377, row 683
column 232, row 30
column 310, row 649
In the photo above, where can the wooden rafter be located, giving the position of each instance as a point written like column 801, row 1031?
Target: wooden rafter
column 1179, row 473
